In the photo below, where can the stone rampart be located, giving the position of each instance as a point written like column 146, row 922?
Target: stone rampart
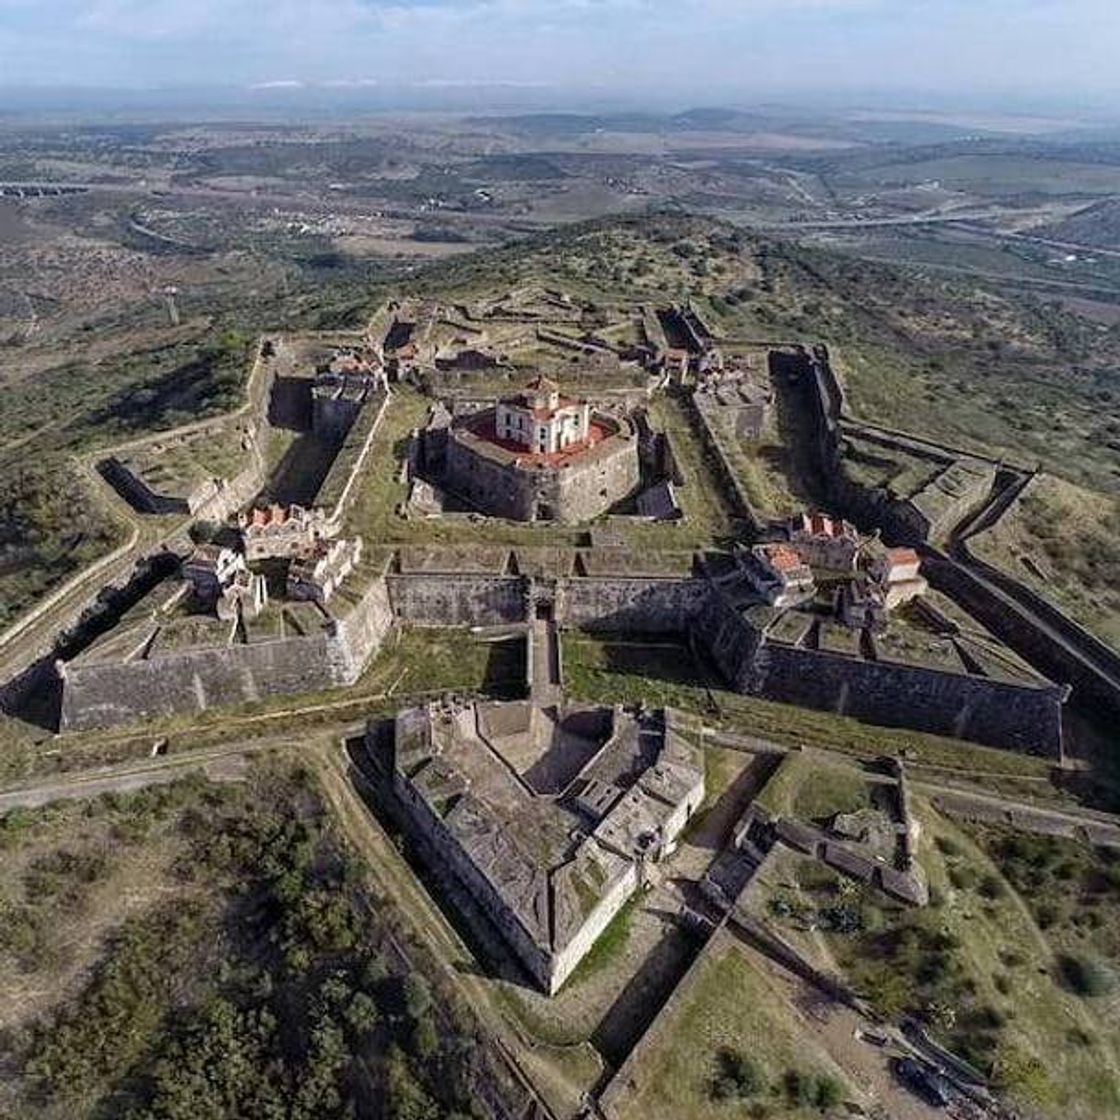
column 981, row 709
column 1043, row 636
column 439, row 599
column 536, row 958
column 893, row 694
column 639, row 605
column 713, row 444
column 102, row 694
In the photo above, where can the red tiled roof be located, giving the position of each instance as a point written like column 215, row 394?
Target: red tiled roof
column 268, row 515
column 783, row 559
column 483, row 427
column 902, row 556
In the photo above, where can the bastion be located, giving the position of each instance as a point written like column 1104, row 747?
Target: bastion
column 546, row 819
column 542, row 456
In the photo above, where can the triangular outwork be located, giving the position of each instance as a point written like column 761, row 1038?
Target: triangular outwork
column 512, row 567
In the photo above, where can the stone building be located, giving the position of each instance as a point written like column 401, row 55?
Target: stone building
column 780, row 575
column 244, row 597
column 862, row 604
column 541, row 420
column 897, row 574
column 549, row 872
column 823, row 541
column 541, row 456
column 210, row 568
column 317, row 574
column 281, row 531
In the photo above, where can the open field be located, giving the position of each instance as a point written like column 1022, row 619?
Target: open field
column 729, row 1012
column 1062, row 541
column 973, row 967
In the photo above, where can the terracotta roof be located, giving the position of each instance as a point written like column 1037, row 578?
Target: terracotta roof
column 274, row 514
column 902, row 556
column 783, row 559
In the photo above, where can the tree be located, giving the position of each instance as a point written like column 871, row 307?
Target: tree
column 417, row 995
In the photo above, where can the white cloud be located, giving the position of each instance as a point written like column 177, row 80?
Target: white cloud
column 762, row 46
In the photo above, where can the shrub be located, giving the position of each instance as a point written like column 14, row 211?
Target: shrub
column 737, row 1077
column 1086, row 976
column 417, row 995
column 991, row 886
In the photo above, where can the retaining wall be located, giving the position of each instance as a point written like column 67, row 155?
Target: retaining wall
column 641, row 605
column 431, row 599
column 981, row 709
column 99, row 695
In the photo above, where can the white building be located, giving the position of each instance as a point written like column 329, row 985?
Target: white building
column 780, row 575
column 898, row 573
column 542, row 420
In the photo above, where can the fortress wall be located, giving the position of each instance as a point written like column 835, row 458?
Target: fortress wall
column 583, row 490
column 1038, row 631
column 537, row 959
column 232, row 495
column 730, row 640
column 359, row 634
column 620, row 603
column 193, row 680
column 976, row 708
column 1058, row 649
column 601, row 915
column 728, row 475
column 100, row 695
column 431, row 599
column 502, row 490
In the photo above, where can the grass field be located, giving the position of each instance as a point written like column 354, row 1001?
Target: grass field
column 973, row 966
column 810, row 789
column 729, row 1009
column 1064, row 543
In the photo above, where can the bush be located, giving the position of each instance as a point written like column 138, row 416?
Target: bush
column 1086, row 976
column 737, row 1077
column 991, row 886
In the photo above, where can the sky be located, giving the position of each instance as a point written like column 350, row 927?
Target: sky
column 1042, row 50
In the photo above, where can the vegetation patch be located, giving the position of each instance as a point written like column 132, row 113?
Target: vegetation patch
column 972, row 967
column 733, row 1047
column 262, row 978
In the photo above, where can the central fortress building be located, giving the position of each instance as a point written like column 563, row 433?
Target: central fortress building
column 542, row 456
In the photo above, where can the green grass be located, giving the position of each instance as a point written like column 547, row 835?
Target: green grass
column 609, row 946
column 1064, row 543
column 810, row 789
column 973, row 966
column 729, row 1006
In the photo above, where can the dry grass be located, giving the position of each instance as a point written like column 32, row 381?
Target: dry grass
column 1062, row 541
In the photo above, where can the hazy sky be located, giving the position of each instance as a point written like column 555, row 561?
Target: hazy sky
column 1049, row 48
